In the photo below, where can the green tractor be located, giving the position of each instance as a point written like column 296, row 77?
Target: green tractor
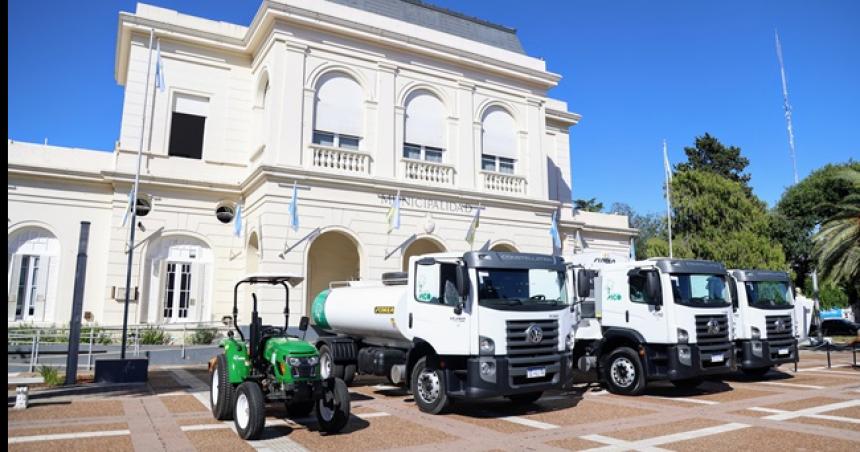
column 272, row 366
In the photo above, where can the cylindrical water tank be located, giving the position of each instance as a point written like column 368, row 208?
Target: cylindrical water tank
column 376, row 314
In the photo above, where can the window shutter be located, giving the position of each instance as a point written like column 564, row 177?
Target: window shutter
column 42, row 281
column 425, row 121
column 14, row 276
column 499, row 134
column 198, row 291
column 340, row 106
column 162, row 283
column 191, row 105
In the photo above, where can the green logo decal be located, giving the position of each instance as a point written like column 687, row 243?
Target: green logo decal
column 615, row 297
column 318, row 310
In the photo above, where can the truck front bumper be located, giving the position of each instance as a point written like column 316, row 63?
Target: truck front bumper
column 494, row 376
column 754, row 354
column 690, row 361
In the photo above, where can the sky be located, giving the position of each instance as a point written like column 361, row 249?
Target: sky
column 637, row 71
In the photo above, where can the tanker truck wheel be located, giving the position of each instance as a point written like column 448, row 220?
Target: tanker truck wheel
column 333, row 407
column 328, row 368
column 428, row 388
column 348, row 374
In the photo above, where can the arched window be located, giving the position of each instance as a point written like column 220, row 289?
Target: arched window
column 33, row 261
column 424, row 136
column 499, row 143
column 263, row 117
column 339, row 118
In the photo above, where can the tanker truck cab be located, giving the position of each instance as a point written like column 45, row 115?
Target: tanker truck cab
column 659, row 319
column 456, row 327
column 765, row 327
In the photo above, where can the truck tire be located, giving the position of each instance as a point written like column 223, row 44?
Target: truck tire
column 300, row 409
column 328, row 368
column 249, row 413
column 333, row 414
column 687, row 383
column 348, row 374
column 756, row 372
column 221, row 391
column 525, row 399
column 623, row 373
column 428, row 388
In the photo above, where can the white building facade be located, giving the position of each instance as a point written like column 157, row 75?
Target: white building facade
column 349, row 101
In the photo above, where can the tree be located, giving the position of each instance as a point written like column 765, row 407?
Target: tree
column 802, row 207
column 837, row 246
column 588, row 205
column 712, row 156
column 715, row 218
column 650, row 226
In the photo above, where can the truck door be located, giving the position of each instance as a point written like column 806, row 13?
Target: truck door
column 644, row 314
column 432, row 309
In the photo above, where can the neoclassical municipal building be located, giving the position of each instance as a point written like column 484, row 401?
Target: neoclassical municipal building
column 349, row 101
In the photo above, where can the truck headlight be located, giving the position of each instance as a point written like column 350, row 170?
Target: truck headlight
column 569, row 343
column 313, row 360
column 683, row 336
column 486, row 346
column 755, row 333
column 488, row 368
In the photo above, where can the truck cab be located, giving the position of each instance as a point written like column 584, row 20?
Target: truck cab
column 765, row 330
column 658, row 319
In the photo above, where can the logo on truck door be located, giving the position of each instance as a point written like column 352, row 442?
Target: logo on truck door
column 383, row 310
column 534, row 334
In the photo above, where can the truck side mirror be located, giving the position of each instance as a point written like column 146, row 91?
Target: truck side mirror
column 462, row 281
column 584, row 283
column 303, row 323
column 652, row 288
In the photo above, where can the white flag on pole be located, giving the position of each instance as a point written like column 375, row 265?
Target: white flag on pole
column 159, row 68
column 667, row 167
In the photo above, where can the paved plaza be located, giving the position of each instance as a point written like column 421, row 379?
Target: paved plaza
column 814, row 409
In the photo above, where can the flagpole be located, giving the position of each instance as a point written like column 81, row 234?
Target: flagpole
column 133, row 227
column 668, row 195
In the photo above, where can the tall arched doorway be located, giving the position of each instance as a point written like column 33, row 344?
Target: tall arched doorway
column 419, row 247
column 178, row 279
column 503, row 247
column 333, row 256
column 32, row 263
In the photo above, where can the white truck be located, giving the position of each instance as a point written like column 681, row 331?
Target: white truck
column 658, row 319
column 469, row 326
column 765, row 330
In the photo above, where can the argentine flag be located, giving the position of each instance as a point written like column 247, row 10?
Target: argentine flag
column 237, row 222
column 159, row 68
column 393, row 216
column 128, row 207
column 473, row 227
column 294, row 208
column 553, row 231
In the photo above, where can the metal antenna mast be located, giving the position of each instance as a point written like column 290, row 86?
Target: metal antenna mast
column 786, row 106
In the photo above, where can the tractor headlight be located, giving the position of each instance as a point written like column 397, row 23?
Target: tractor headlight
column 683, row 336
column 294, row 361
column 313, row 360
column 755, row 333
column 486, row 345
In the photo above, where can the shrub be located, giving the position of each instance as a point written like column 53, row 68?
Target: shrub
column 154, row 336
column 100, row 336
column 51, row 375
column 204, row 336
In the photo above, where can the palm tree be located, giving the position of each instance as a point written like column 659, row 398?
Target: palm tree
column 588, row 205
column 837, row 244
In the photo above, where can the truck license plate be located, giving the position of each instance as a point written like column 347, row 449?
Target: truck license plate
column 535, row 372
column 783, row 351
column 717, row 358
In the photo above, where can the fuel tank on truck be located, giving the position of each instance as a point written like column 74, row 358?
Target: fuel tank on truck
column 373, row 312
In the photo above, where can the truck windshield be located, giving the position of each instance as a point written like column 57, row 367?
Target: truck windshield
column 522, row 289
column 700, row 290
column 768, row 294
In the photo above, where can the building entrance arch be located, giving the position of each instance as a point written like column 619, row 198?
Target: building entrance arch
column 418, row 247
column 332, row 256
column 178, row 279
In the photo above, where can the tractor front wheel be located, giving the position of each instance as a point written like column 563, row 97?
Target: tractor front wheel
column 249, row 413
column 333, row 407
column 221, row 391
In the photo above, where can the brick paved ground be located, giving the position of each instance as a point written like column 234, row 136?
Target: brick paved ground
column 814, row 409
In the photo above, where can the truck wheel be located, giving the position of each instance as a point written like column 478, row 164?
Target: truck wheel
column 328, row 368
column 333, row 408
column 221, row 391
column 687, row 383
column 623, row 372
column 348, row 374
column 756, row 372
column 428, row 388
column 300, row 409
column 525, row 399
column 249, row 413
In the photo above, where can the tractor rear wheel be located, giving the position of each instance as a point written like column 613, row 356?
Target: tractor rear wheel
column 249, row 413
column 333, row 408
column 221, row 391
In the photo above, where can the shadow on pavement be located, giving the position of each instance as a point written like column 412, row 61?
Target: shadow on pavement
column 669, row 390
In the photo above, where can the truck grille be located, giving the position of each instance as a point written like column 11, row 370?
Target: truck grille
column 523, row 354
column 713, row 341
column 780, row 335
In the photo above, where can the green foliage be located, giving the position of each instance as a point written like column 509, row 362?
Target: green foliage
column 714, row 157
column 588, row 205
column 204, row 336
column 652, row 225
column 655, row 247
column 60, row 335
column 837, row 245
column 99, row 335
column 716, row 219
column 830, row 295
column 51, row 375
column 805, row 205
column 154, row 336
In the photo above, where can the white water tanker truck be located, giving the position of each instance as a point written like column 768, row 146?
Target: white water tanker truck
column 470, row 326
